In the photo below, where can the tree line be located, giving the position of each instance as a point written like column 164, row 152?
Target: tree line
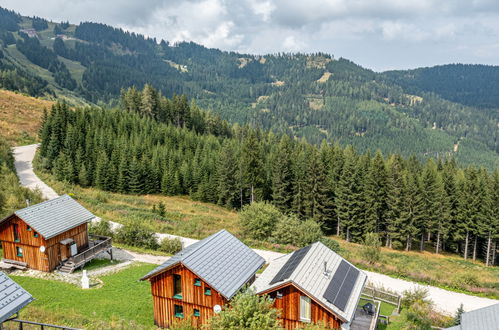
column 412, row 205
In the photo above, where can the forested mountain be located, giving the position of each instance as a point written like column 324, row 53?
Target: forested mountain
column 155, row 145
column 314, row 96
column 473, row 85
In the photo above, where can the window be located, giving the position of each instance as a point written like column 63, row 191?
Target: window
column 278, row 295
column 16, row 233
column 28, row 228
column 207, row 291
column 197, row 282
column 179, row 311
column 177, row 286
column 19, row 251
column 305, row 309
column 35, row 234
column 196, row 312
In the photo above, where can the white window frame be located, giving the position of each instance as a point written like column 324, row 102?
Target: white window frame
column 305, row 303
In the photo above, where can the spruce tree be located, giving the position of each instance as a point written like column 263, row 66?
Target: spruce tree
column 375, row 194
column 395, row 201
column 282, row 189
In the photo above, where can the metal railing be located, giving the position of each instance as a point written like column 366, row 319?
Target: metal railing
column 42, row 325
column 92, row 251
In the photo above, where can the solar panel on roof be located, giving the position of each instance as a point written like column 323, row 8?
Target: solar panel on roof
column 290, row 265
column 340, row 288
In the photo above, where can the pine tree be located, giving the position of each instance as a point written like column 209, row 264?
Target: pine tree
column 251, row 161
column 395, row 201
column 412, row 213
column 136, row 182
column 430, row 200
column 375, row 194
column 282, row 189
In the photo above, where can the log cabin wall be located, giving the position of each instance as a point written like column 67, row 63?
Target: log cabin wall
column 30, row 244
column 193, row 297
column 289, row 306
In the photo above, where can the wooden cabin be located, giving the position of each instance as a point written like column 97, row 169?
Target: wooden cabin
column 45, row 235
column 312, row 285
column 200, row 279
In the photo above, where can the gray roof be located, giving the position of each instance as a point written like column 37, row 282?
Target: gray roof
column 221, row 260
column 55, row 216
column 309, row 277
column 486, row 318
column 12, row 297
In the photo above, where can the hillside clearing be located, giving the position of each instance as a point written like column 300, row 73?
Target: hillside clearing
column 20, row 117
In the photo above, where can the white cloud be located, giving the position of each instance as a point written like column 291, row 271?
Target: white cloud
column 377, row 34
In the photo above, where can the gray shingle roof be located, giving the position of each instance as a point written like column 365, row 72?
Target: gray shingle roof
column 486, row 318
column 12, row 297
column 309, row 277
column 221, row 260
column 55, row 216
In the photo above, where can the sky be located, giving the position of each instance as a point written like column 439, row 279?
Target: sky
column 377, row 34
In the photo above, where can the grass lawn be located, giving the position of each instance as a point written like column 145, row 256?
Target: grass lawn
column 385, row 309
column 122, row 302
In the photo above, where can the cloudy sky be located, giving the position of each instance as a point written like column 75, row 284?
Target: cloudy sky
column 378, row 34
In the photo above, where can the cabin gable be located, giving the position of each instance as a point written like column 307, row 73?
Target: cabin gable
column 288, row 300
column 22, row 243
column 179, row 293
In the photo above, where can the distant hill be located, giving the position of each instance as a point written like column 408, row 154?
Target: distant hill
column 312, row 96
column 473, row 85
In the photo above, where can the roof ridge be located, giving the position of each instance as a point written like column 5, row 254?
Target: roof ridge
column 34, row 206
column 199, row 244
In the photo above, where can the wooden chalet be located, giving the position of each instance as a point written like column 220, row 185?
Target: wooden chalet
column 50, row 235
column 312, row 285
column 200, row 279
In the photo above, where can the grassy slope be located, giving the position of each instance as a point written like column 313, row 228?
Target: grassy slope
column 197, row 220
column 123, row 302
column 20, row 117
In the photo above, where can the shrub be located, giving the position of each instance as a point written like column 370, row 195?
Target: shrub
column 419, row 314
column 135, row 235
column 259, row 219
column 371, row 250
column 331, row 243
column 290, row 230
column 465, row 280
column 247, row 311
column 409, row 297
column 170, row 245
column 101, row 228
column 309, row 232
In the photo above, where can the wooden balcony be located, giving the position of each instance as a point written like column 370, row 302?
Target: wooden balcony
column 97, row 245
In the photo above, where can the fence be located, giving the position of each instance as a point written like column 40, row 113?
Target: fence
column 387, row 297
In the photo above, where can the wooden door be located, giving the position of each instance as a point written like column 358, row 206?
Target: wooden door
column 64, row 252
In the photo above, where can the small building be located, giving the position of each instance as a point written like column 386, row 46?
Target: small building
column 30, row 32
column 486, row 318
column 13, row 298
column 50, row 235
column 200, row 279
column 311, row 285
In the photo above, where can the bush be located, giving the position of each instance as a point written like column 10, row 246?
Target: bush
column 170, row 245
column 371, row 250
column 247, row 311
column 465, row 280
column 290, row 230
column 331, row 243
column 409, row 297
column 135, row 235
column 419, row 314
column 101, row 228
column 259, row 219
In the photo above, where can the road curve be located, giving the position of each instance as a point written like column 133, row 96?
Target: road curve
column 446, row 301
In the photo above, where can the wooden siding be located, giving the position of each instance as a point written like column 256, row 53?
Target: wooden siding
column 289, row 306
column 193, row 297
column 30, row 244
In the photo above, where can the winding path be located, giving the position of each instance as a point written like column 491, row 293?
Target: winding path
column 445, row 301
